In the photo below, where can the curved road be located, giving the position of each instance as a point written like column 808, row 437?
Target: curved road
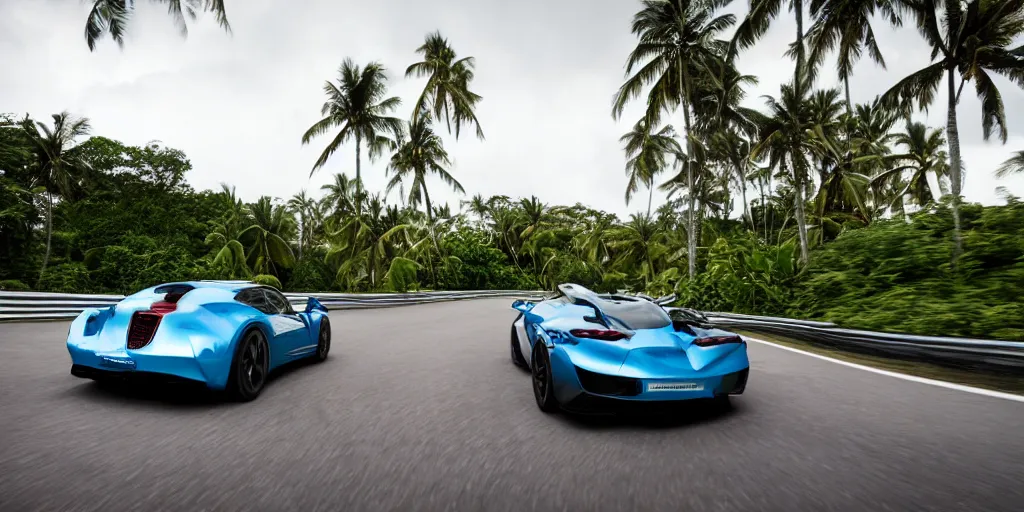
column 418, row 408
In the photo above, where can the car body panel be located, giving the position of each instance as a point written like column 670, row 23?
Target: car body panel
column 196, row 340
column 662, row 360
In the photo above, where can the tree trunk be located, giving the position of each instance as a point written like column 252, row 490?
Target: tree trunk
column 801, row 220
column 798, row 9
column 691, row 228
column 650, row 196
column 359, row 177
column 954, row 168
column 764, row 207
column 743, row 193
column 49, row 234
column 430, row 233
column 302, row 232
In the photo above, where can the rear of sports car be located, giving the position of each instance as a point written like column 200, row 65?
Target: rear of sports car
column 154, row 335
column 599, row 369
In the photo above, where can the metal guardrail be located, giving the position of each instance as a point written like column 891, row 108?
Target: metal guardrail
column 975, row 354
column 983, row 355
column 22, row 306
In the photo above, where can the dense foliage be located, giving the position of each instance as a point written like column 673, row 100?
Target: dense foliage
column 811, row 207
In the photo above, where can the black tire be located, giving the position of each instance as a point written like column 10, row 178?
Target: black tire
column 517, row 353
column 323, row 343
column 250, row 366
column 543, row 384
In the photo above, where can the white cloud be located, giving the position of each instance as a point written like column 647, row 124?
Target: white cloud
column 238, row 104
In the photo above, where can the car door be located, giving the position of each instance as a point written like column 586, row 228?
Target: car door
column 289, row 327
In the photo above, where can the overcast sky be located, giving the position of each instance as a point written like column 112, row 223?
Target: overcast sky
column 238, row 104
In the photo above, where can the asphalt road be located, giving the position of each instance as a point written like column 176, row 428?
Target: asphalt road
column 419, row 408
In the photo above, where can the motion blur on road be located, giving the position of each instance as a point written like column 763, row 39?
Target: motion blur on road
column 419, row 408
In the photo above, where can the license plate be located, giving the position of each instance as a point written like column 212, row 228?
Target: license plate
column 675, row 386
column 111, row 362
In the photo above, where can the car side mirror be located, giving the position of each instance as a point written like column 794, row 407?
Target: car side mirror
column 668, row 299
column 522, row 305
column 314, row 305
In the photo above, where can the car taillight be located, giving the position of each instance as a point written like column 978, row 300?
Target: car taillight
column 598, row 334
column 712, row 341
column 142, row 328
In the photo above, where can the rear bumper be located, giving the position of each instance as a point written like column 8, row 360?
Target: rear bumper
column 582, row 390
column 88, row 372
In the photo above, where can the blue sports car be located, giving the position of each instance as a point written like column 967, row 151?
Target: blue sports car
column 227, row 335
column 589, row 352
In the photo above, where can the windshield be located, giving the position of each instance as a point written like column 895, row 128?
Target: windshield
column 636, row 314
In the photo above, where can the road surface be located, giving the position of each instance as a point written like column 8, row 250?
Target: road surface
column 419, row 408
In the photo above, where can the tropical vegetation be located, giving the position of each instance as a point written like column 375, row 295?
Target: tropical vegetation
column 809, row 206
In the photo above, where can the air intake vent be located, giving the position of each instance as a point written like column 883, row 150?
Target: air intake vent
column 142, row 329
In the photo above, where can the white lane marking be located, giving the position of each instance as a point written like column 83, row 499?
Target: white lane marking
column 912, row 378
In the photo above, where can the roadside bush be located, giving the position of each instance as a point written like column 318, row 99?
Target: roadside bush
column 66, row 278
column 310, row 274
column 13, row 285
column 267, row 280
column 897, row 276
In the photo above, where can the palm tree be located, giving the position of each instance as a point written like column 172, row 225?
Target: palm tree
column 302, row 205
column 786, row 145
column 269, row 227
column 357, row 105
column 639, row 243
column 365, row 254
column 112, row 16
column 976, row 39
column 646, row 153
column 446, row 93
column 230, row 252
column 923, row 157
column 678, row 44
column 478, row 206
column 422, row 154
column 1012, row 165
column 844, row 26
column 57, row 166
column 416, row 158
column 734, row 150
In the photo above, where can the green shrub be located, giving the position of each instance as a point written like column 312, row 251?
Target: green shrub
column 267, row 280
column 401, row 276
column 66, row 278
column 310, row 274
column 13, row 285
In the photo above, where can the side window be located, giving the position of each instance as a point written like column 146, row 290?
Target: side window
column 278, row 302
column 255, row 298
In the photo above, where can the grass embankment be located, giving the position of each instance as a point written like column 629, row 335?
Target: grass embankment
column 1004, row 383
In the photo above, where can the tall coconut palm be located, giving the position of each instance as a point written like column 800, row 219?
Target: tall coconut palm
column 786, row 145
column 1012, row 165
column 446, row 93
column 57, row 166
column 417, row 157
column 678, row 44
column 647, row 154
column 922, row 157
column 976, row 39
column 112, row 17
column 302, row 205
column 844, row 26
column 357, row 105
